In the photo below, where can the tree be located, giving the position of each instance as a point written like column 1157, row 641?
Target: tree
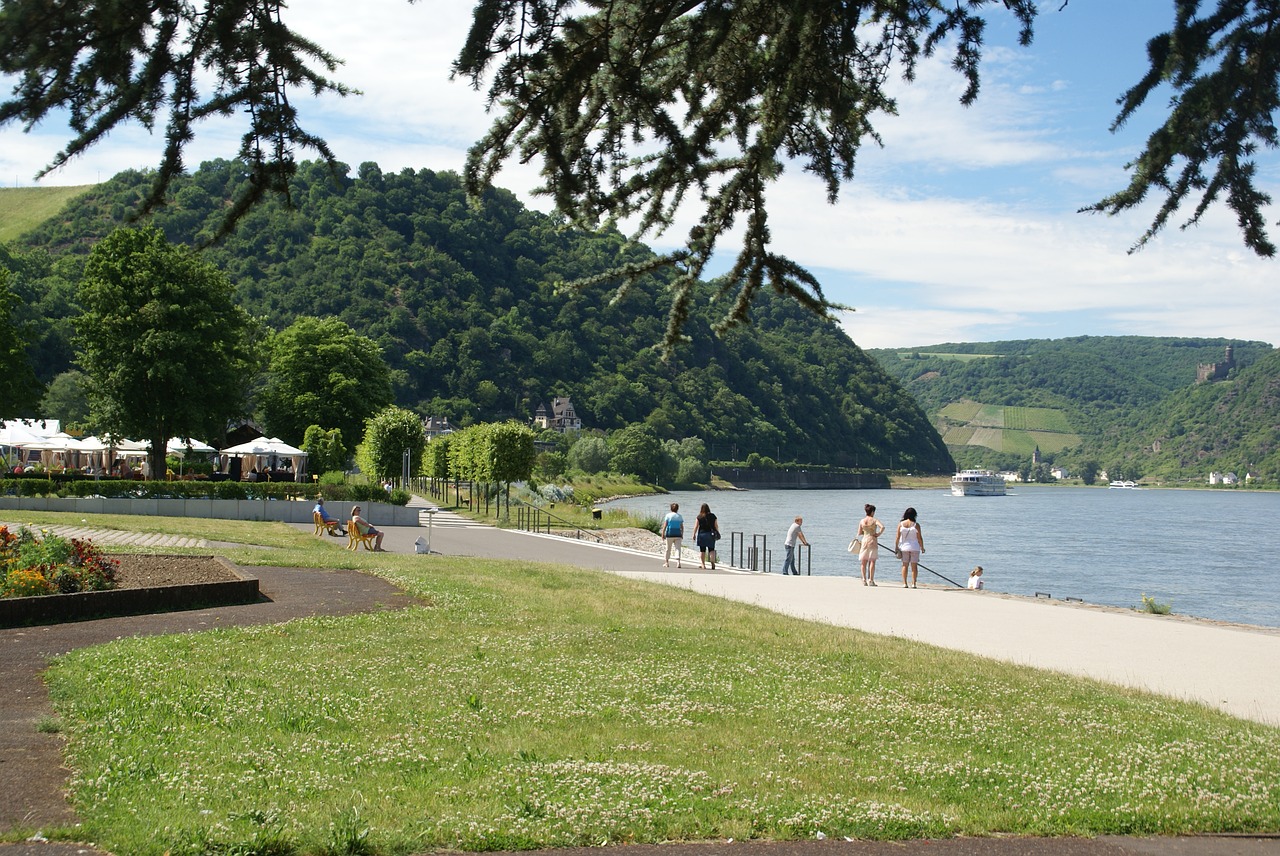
column 590, row 455
column 19, row 389
column 134, row 58
column 325, row 451
column 634, row 106
column 1224, row 69
column 387, row 436
column 321, row 372
column 636, row 450
column 167, row 351
column 66, row 401
column 1089, row 471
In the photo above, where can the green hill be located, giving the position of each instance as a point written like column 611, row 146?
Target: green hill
column 24, row 208
column 465, row 302
column 1106, row 399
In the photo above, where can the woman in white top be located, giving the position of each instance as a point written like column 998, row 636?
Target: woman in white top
column 908, row 543
column 869, row 531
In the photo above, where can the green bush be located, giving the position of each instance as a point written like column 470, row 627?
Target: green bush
column 129, row 489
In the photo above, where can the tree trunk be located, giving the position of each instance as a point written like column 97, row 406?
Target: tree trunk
column 156, row 458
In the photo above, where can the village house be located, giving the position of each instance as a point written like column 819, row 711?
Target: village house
column 560, row 416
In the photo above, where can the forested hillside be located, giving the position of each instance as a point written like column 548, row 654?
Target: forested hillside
column 465, row 304
column 1129, row 400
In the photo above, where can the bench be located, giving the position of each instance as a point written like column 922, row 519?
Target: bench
column 355, row 537
column 322, row 525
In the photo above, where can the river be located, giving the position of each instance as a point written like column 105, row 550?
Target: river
column 1209, row 553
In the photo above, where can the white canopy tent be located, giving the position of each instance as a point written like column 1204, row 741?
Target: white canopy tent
column 266, row 453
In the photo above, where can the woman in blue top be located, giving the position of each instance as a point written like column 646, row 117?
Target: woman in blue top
column 672, row 534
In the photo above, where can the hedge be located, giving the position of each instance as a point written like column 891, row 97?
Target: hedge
column 129, row 489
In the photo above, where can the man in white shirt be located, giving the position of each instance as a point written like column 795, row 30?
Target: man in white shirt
column 789, row 563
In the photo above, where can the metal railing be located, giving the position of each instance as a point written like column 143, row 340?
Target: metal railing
column 533, row 518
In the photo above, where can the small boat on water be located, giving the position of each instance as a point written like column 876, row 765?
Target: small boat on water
column 977, row 483
column 1124, row 485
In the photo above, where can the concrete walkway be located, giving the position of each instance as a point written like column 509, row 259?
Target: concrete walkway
column 114, row 537
column 1231, row 668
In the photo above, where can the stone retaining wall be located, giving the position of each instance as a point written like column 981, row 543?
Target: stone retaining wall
column 56, row 608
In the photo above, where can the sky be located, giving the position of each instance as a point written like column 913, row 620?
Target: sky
column 963, row 227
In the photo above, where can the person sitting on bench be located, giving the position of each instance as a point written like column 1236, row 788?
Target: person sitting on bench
column 331, row 523
column 364, row 527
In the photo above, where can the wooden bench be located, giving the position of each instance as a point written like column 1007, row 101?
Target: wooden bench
column 355, row 537
column 322, row 525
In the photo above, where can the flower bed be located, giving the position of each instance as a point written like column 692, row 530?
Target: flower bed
column 50, row 564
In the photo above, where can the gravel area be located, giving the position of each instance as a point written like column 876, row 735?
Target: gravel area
column 148, row 571
column 644, row 541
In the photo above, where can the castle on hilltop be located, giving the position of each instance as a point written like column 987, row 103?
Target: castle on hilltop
column 1206, row 372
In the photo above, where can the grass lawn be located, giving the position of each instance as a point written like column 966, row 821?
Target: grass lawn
column 24, row 208
column 531, row 706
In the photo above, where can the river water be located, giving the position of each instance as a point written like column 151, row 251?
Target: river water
column 1209, row 553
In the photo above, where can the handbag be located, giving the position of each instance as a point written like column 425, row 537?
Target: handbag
column 853, row 545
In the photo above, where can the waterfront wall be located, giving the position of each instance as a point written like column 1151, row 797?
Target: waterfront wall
column 749, row 478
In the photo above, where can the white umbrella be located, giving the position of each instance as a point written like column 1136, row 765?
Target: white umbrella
column 93, row 444
column 177, row 445
column 252, row 447
column 16, row 434
column 280, row 447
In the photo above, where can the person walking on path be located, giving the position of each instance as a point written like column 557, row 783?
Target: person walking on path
column 706, row 530
column 908, row 544
column 869, row 531
column 795, row 532
column 672, row 533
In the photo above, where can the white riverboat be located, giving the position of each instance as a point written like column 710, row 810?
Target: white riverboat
column 977, row 483
column 1123, row 485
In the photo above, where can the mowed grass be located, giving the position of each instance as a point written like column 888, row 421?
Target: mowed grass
column 24, row 208
column 528, row 705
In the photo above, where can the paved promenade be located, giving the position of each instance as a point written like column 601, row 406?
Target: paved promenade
column 1232, row 668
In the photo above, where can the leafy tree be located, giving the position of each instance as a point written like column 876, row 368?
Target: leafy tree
column 633, row 106
column 320, row 371
column 590, row 455
column 635, row 450
column 1089, row 471
column 66, row 401
column 325, row 451
column 693, row 471
column 387, row 435
column 165, row 348
column 19, row 389
column 549, row 466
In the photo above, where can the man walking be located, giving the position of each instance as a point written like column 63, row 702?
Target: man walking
column 789, row 563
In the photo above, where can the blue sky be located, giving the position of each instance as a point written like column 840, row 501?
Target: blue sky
column 962, row 228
